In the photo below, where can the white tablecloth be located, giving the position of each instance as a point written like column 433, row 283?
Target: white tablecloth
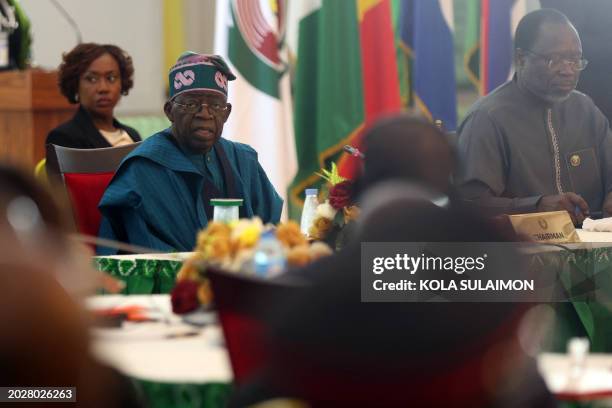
column 169, row 256
column 164, row 351
column 596, row 376
column 591, row 236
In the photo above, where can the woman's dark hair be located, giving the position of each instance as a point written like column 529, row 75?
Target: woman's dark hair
column 76, row 62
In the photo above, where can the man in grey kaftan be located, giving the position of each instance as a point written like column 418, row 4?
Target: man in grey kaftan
column 536, row 144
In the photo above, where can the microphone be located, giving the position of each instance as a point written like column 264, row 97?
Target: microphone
column 69, row 19
column 353, row 151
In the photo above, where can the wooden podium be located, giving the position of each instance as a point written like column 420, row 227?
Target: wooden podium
column 30, row 106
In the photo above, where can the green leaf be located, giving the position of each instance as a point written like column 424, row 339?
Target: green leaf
column 331, row 176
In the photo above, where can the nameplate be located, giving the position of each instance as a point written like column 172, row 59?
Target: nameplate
column 551, row 227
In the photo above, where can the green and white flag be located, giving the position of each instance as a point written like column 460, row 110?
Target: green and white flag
column 250, row 35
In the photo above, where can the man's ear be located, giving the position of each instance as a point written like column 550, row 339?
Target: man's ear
column 227, row 112
column 168, row 111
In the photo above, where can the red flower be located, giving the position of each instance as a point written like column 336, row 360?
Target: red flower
column 340, row 194
column 184, row 297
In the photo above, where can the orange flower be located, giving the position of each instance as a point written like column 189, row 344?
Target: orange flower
column 218, row 228
column 219, row 248
column 320, row 227
column 289, row 234
column 298, row 255
column 205, row 295
column 213, row 231
column 188, row 270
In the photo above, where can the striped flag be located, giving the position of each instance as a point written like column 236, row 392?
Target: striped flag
column 250, row 35
column 381, row 90
column 489, row 36
column 427, row 32
column 345, row 77
column 496, row 43
column 471, row 43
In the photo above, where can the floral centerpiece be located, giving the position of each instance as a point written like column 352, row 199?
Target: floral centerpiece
column 231, row 247
column 336, row 214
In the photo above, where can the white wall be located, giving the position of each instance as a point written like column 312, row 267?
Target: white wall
column 134, row 25
column 199, row 25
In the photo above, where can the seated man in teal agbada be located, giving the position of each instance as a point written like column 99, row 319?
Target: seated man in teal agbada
column 160, row 196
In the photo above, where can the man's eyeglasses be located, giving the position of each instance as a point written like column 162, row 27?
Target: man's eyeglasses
column 556, row 62
column 195, row 107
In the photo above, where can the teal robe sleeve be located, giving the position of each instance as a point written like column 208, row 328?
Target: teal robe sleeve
column 137, row 233
column 153, row 206
column 267, row 204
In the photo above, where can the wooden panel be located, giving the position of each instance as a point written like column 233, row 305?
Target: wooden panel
column 16, row 143
column 45, row 92
column 30, row 106
column 15, row 90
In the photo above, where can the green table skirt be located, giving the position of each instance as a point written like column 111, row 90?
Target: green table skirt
column 213, row 395
column 165, row 395
column 141, row 276
column 586, row 275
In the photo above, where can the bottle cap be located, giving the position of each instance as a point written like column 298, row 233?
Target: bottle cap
column 578, row 346
column 311, row 191
column 226, row 202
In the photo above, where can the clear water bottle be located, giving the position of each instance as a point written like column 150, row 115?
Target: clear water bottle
column 310, row 210
column 269, row 259
column 578, row 350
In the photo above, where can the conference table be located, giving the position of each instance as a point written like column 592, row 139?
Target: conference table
column 191, row 368
column 156, row 273
column 179, row 365
column 171, row 363
column 585, row 267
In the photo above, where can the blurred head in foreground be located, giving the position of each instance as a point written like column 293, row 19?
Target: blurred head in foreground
column 27, row 211
column 44, row 341
column 332, row 349
column 406, row 148
column 31, row 220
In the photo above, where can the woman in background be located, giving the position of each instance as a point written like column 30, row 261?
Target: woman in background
column 94, row 76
